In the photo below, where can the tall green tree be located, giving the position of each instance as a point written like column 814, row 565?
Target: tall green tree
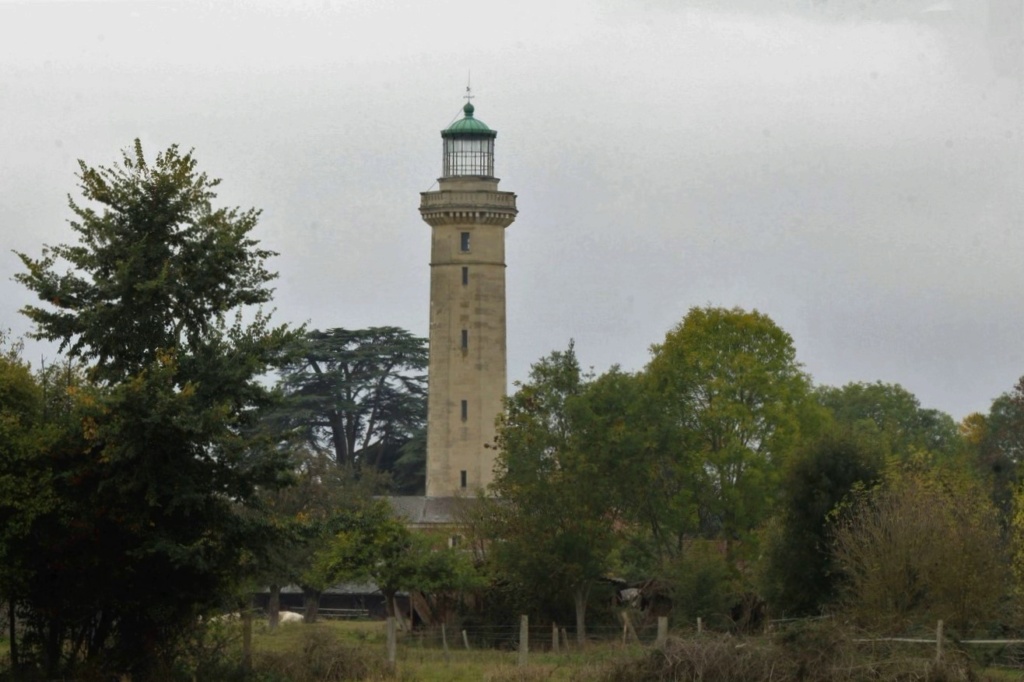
column 735, row 398
column 997, row 442
column 800, row 577
column 25, row 491
column 1006, row 424
column 161, row 502
column 652, row 484
column 555, row 527
column 22, row 440
column 359, row 394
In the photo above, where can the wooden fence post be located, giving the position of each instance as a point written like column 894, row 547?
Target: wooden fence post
column 524, row 639
column 700, row 625
column 554, row 638
column 465, row 639
column 938, row 642
column 565, row 639
column 12, row 630
column 392, row 644
column 444, row 643
column 662, row 631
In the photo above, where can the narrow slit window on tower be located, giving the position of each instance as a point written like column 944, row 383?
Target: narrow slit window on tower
column 462, row 478
column 464, row 241
column 465, row 339
column 465, row 275
column 465, row 410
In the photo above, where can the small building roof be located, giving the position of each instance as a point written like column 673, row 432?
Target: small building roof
column 428, row 511
column 357, row 588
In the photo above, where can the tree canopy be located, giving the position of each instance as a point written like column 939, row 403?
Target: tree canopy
column 359, row 395
column 156, row 267
column 997, row 442
column 371, row 543
column 733, row 391
column 895, row 413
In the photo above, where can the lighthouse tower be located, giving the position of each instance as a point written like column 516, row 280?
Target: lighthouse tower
column 467, row 216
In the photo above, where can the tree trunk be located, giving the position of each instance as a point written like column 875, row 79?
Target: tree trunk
column 580, row 597
column 389, row 603
column 312, row 604
column 274, row 606
column 52, row 647
column 393, row 612
column 99, row 635
column 13, row 635
column 338, row 436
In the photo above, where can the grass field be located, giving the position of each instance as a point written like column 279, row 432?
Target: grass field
column 417, row 661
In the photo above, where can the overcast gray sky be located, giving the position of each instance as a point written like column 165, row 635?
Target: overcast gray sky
column 850, row 168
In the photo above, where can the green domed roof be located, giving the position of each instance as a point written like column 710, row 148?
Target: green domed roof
column 468, row 126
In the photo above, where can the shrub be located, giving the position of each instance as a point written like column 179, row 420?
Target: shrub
column 322, row 659
column 702, row 584
column 808, row 653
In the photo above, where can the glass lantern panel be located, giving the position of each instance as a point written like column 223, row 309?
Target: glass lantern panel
column 468, row 156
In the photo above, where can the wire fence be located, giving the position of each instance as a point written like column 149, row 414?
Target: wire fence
column 524, row 639
column 990, row 652
column 543, row 637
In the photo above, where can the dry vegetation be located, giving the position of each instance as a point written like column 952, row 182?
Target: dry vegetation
column 727, row 659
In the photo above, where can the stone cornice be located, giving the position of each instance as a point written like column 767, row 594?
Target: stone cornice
column 462, row 207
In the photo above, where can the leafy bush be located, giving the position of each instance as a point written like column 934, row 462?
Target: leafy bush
column 323, row 659
column 702, row 584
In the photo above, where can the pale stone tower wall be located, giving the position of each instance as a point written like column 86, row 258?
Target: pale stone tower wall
column 467, row 374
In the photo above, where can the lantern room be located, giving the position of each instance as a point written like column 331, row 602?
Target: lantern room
column 468, row 147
